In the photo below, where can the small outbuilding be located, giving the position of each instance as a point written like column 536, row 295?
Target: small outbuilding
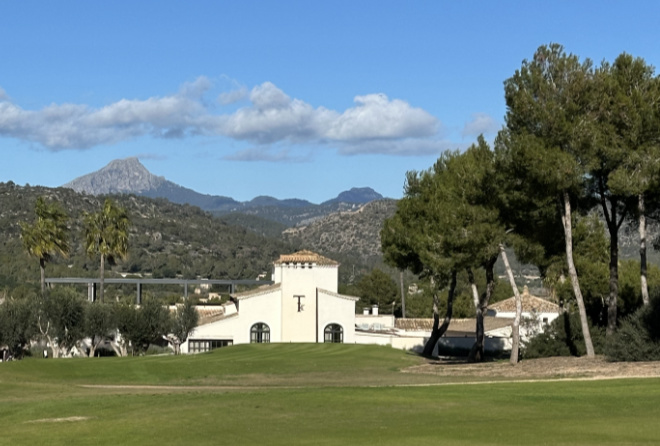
column 536, row 314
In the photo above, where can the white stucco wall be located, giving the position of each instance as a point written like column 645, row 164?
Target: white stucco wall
column 264, row 308
column 531, row 323
column 362, row 337
column 336, row 309
column 374, row 322
column 278, row 308
column 223, row 329
column 236, row 327
column 303, row 280
column 416, row 340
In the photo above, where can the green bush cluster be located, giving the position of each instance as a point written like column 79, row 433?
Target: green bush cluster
column 563, row 337
column 63, row 319
column 638, row 337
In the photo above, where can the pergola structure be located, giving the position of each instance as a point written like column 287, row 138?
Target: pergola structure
column 92, row 284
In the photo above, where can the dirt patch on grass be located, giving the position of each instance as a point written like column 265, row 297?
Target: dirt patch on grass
column 58, row 420
column 543, row 368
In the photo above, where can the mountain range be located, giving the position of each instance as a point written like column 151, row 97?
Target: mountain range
column 129, row 176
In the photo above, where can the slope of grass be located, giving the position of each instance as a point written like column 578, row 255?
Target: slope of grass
column 245, row 365
column 306, row 395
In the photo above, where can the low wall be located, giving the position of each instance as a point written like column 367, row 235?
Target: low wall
column 416, row 343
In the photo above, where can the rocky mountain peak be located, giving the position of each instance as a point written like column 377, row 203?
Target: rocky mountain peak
column 358, row 195
column 119, row 176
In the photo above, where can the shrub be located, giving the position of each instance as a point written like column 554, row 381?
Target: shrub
column 638, row 337
column 563, row 337
column 17, row 326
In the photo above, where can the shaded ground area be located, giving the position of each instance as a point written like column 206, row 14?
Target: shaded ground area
column 543, row 368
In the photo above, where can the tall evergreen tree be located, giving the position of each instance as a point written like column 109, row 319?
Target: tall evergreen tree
column 377, row 288
column 626, row 159
column 549, row 124
column 414, row 239
column 447, row 222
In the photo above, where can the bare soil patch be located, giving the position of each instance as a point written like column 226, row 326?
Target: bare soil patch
column 543, row 368
column 58, row 420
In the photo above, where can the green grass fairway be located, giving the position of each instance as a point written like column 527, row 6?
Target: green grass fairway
column 295, row 394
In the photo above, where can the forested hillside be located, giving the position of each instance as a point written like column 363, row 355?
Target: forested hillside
column 166, row 240
column 353, row 233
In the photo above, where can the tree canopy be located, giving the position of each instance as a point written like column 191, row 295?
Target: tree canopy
column 106, row 233
column 47, row 236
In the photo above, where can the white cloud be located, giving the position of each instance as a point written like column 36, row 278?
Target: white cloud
column 376, row 117
column 268, row 96
column 151, row 156
column 265, row 154
column 197, row 88
column 231, row 97
column 272, row 117
column 71, row 126
column 376, row 124
column 404, row 147
column 481, row 123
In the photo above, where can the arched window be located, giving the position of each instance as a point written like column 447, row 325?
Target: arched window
column 334, row 333
column 259, row 333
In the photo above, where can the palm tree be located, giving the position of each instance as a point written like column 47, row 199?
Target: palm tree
column 106, row 233
column 47, row 236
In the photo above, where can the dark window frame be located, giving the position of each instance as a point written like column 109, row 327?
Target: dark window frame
column 260, row 333
column 333, row 333
column 206, row 345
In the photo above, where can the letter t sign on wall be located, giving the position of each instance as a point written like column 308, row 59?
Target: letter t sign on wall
column 301, row 306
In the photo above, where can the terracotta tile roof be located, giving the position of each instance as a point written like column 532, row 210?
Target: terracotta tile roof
column 305, row 257
column 467, row 325
column 207, row 314
column 341, row 296
column 257, row 291
column 529, row 304
column 214, row 318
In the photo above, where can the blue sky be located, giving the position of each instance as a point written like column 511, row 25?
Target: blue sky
column 299, row 99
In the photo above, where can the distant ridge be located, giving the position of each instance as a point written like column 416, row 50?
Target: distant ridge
column 129, row 176
column 358, row 195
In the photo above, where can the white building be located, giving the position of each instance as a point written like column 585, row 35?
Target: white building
column 536, row 313
column 303, row 305
column 412, row 333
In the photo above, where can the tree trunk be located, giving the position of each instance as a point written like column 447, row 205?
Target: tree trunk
column 613, row 223
column 568, row 238
column 515, row 329
column 642, row 249
column 92, row 348
column 95, row 345
column 481, row 304
column 614, row 270
column 476, row 352
column 102, row 278
column 50, row 342
column 120, row 348
column 42, row 268
column 403, row 296
column 119, row 345
column 438, row 331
